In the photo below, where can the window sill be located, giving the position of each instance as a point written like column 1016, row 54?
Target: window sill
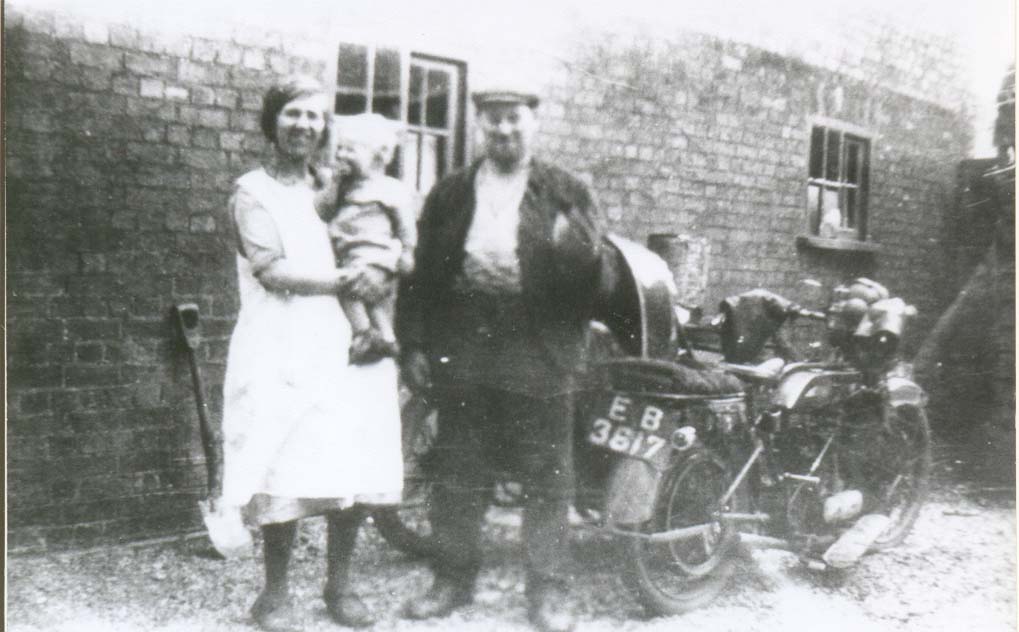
column 841, row 245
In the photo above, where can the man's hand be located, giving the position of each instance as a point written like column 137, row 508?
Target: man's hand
column 415, row 371
column 574, row 235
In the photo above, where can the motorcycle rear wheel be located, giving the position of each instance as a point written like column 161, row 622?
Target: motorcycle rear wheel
column 677, row 577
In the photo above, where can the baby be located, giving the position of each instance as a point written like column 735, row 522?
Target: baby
column 371, row 220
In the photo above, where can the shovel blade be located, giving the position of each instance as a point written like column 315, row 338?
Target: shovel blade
column 229, row 536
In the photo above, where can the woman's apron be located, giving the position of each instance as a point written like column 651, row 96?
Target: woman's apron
column 298, row 421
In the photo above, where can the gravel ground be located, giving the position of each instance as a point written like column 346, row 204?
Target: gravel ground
column 956, row 571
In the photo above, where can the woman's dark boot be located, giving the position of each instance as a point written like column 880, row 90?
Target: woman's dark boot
column 271, row 610
column 345, row 607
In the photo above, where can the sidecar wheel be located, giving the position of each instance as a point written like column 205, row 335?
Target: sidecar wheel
column 407, row 527
column 676, row 577
column 907, row 443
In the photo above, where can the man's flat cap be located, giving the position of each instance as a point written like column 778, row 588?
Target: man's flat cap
column 506, row 90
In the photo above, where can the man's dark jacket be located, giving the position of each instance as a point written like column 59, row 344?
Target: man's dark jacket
column 564, row 264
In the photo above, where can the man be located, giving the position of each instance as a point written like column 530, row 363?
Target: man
column 508, row 269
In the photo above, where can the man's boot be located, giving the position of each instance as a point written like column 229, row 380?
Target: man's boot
column 548, row 606
column 445, row 595
column 343, row 605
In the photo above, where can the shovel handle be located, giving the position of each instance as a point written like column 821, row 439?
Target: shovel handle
column 188, row 323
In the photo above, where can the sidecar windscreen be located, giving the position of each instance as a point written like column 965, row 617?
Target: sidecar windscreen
column 637, row 304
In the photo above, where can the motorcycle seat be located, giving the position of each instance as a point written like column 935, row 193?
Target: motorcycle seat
column 766, row 371
column 659, row 376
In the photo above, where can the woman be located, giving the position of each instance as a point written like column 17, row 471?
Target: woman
column 304, row 433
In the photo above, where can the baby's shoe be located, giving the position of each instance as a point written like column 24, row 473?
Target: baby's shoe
column 387, row 348
column 368, row 347
column 361, row 347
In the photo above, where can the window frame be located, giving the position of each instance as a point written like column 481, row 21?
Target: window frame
column 855, row 236
column 456, row 108
column 456, row 131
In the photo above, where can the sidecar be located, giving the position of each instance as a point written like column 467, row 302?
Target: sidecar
column 642, row 407
column 643, row 420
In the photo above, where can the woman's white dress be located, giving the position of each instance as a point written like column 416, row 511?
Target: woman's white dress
column 304, row 432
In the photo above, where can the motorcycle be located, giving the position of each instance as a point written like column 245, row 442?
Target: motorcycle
column 832, row 461
column 680, row 461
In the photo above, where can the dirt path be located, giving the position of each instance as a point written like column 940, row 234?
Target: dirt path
column 957, row 571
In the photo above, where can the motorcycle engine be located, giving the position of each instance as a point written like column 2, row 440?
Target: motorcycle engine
column 794, row 452
column 805, row 511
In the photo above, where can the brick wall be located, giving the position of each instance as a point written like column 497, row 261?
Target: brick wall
column 699, row 136
column 123, row 145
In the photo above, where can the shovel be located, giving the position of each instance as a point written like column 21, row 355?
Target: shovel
column 226, row 529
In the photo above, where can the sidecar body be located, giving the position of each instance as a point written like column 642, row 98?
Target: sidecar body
column 642, row 408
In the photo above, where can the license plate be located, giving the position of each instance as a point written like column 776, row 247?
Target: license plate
column 630, row 426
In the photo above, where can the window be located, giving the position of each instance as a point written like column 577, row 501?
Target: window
column 425, row 93
column 837, row 183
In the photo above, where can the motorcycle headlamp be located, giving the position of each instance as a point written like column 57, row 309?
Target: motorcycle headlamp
column 684, row 438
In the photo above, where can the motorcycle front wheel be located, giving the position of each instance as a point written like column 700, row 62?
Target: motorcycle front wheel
column 907, row 434
column 890, row 461
column 675, row 577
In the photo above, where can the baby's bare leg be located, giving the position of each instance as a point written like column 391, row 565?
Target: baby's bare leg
column 382, row 314
column 357, row 314
column 362, row 341
column 382, row 321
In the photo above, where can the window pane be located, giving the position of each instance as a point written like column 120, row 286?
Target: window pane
column 433, row 161
column 864, row 165
column 416, row 97
column 352, row 67
column 409, row 155
column 816, row 152
column 830, row 207
column 388, row 107
column 813, row 207
column 852, row 161
column 437, row 110
column 850, row 211
column 351, row 103
column 386, row 94
column 441, row 149
column 831, row 165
